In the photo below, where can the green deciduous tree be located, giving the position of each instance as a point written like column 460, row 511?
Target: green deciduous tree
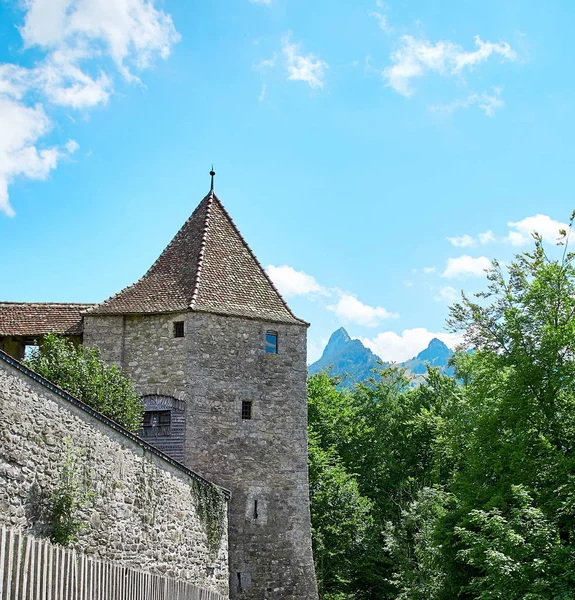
column 81, row 372
column 470, row 480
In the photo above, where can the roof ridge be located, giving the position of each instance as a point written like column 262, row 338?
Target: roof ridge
column 253, row 255
column 10, row 303
column 196, row 289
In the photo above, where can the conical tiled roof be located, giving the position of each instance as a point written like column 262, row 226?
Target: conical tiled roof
column 207, row 267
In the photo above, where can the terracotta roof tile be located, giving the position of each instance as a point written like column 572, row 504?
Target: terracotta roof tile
column 29, row 319
column 207, row 267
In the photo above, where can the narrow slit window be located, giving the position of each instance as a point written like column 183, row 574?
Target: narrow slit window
column 178, row 329
column 271, row 342
column 246, row 409
column 255, row 509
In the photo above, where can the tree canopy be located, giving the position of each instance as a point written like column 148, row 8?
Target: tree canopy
column 81, row 372
column 465, row 486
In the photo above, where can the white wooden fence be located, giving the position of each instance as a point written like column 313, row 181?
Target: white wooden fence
column 35, row 569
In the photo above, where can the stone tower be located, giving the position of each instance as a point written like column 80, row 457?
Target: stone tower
column 220, row 361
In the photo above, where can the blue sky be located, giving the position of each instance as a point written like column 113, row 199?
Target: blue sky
column 375, row 155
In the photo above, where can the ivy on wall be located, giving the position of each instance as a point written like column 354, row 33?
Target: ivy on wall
column 72, row 494
column 211, row 505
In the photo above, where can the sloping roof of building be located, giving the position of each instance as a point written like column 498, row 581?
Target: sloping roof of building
column 29, row 319
column 207, row 267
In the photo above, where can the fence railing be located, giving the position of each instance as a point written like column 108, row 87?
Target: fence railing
column 35, row 569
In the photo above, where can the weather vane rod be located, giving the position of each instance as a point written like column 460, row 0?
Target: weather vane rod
column 212, row 173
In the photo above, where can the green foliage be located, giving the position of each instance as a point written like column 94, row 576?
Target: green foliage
column 341, row 521
column 469, row 482
column 81, row 372
column 371, row 450
column 517, row 555
column 71, row 496
column 211, row 506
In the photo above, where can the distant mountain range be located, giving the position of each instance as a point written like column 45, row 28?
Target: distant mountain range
column 350, row 357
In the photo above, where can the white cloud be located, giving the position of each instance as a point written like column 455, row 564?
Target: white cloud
column 71, row 146
column 262, row 93
column 352, row 310
column 446, row 294
column 302, row 68
column 418, row 57
column 64, row 83
column 77, row 39
column 462, row 241
column 487, row 102
column 129, row 31
column 465, row 266
column 293, row 283
column 381, row 21
column 390, row 346
column 487, row 237
column 21, row 127
column 521, row 231
column 266, row 63
column 428, row 269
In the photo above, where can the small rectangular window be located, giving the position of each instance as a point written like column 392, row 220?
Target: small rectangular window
column 246, row 409
column 178, row 329
column 271, row 342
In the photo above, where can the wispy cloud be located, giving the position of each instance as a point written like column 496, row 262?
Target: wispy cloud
column 465, row 266
column 486, row 237
column 263, row 93
column 266, row 63
column 351, row 310
column 415, row 58
column 290, row 282
column 390, row 346
column 447, row 294
column 346, row 306
column 308, row 68
column 77, row 42
column 461, row 241
column 521, row 232
column 381, row 19
column 487, row 102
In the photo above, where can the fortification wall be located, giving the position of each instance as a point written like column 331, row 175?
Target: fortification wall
column 144, row 510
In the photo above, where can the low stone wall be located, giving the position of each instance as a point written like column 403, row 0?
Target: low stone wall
column 144, row 509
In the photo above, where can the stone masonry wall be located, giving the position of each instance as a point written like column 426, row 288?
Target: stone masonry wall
column 144, row 511
column 220, row 362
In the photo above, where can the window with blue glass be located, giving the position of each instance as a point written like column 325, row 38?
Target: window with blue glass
column 271, row 342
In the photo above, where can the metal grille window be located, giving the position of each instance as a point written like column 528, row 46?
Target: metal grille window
column 271, row 342
column 178, row 329
column 157, row 422
column 246, row 409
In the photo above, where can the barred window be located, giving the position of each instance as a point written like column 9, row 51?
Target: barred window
column 157, row 422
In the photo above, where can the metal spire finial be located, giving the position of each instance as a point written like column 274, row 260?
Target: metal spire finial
column 212, row 173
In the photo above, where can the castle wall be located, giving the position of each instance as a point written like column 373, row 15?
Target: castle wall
column 219, row 363
column 144, row 511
